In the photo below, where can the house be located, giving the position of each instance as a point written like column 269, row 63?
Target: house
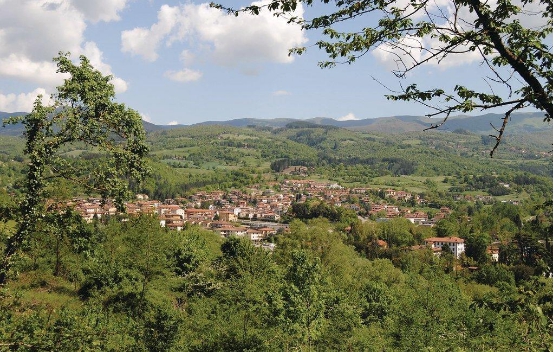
column 147, row 207
column 494, row 252
column 254, row 235
column 401, row 195
column 270, row 216
column 197, row 215
column 229, row 216
column 456, row 244
column 220, row 224
column 171, row 210
column 416, row 218
column 228, row 231
column 439, row 216
column 172, row 221
column 90, row 210
column 246, row 213
column 382, row 244
column 266, row 231
column 177, row 225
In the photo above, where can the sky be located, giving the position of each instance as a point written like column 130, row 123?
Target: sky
column 182, row 62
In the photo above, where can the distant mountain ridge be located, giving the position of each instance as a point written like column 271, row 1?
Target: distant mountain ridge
column 11, row 130
column 523, row 122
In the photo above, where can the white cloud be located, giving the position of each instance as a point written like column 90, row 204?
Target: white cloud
column 100, row 10
column 411, row 50
column 226, row 40
column 187, row 57
column 347, row 117
column 250, row 39
column 19, row 66
column 146, row 118
column 185, row 75
column 407, row 7
column 33, row 32
column 281, row 93
column 173, row 123
column 37, row 30
column 96, row 59
column 145, row 42
column 22, row 102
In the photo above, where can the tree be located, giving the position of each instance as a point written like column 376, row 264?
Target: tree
column 420, row 32
column 302, row 302
column 249, row 277
column 83, row 113
column 476, row 247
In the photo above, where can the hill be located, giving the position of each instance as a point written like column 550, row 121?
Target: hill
column 11, row 130
column 519, row 123
column 524, row 122
column 225, row 156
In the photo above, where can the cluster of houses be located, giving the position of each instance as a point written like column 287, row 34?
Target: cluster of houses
column 174, row 216
column 255, row 214
column 221, row 211
column 261, row 205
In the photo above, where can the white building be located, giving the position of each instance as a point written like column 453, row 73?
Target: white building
column 455, row 244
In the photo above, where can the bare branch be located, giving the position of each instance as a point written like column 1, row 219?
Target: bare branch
column 504, row 124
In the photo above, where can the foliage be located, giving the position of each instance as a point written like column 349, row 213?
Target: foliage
column 316, row 209
column 144, row 288
column 82, row 112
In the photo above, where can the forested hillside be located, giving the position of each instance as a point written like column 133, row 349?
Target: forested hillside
column 207, row 155
column 344, row 276
column 521, row 122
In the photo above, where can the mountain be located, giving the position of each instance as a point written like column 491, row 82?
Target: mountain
column 279, row 122
column 17, row 129
column 11, row 130
column 150, row 127
column 523, row 122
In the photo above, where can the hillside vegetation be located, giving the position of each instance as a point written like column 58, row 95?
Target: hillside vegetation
column 332, row 282
column 206, row 155
column 217, row 156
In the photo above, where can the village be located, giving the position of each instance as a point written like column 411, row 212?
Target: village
column 219, row 209
column 256, row 214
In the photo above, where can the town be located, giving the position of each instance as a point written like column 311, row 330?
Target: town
column 256, row 214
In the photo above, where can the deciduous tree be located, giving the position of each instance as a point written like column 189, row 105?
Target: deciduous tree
column 83, row 112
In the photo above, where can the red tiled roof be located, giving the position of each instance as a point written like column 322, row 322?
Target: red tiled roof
column 445, row 239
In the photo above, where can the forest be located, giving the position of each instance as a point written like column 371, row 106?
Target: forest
column 327, row 285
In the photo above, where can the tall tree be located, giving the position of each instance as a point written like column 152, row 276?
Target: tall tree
column 303, row 302
column 83, row 112
column 508, row 37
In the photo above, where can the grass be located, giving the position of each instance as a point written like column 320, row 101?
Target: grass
column 411, row 183
column 39, row 287
column 238, row 136
column 475, row 290
column 412, row 142
column 74, row 153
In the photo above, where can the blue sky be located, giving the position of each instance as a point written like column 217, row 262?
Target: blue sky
column 184, row 63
